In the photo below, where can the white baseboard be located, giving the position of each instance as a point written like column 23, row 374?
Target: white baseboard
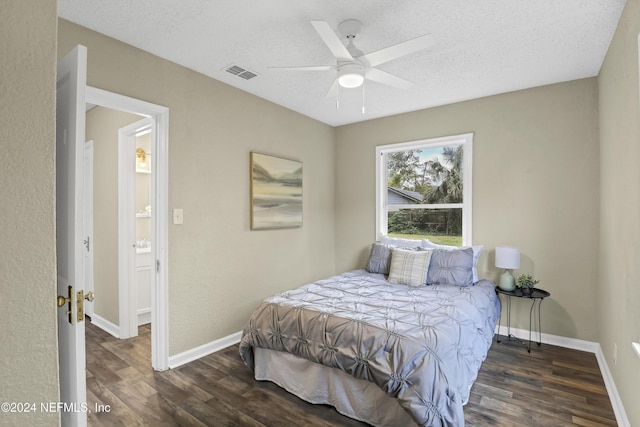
column 572, row 343
column 105, row 325
column 581, row 345
column 144, row 316
column 203, row 350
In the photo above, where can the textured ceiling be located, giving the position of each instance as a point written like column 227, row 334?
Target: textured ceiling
column 482, row 47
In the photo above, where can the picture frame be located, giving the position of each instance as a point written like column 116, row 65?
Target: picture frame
column 276, row 192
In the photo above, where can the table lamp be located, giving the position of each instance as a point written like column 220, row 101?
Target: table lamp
column 507, row 257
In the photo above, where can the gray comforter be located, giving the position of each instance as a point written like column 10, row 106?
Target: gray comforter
column 422, row 345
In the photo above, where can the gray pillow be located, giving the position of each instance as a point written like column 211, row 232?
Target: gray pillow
column 451, row 267
column 380, row 258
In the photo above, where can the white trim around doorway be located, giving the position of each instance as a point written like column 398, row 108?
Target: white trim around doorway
column 160, row 166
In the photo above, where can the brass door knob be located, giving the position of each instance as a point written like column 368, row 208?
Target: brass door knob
column 89, row 296
column 62, row 300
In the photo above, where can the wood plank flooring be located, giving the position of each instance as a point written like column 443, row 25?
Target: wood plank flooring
column 552, row 386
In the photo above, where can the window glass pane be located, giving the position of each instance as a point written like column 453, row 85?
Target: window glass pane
column 425, row 175
column 441, row 226
column 431, row 174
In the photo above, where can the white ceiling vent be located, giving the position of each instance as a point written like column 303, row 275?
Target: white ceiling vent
column 240, row 72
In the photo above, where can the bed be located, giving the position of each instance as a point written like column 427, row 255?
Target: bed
column 381, row 348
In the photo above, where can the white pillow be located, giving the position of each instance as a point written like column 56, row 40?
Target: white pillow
column 402, row 243
column 409, row 267
column 426, row 243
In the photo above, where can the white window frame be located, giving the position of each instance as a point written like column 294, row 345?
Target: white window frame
column 466, row 140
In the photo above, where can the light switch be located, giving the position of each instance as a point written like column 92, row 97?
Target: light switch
column 178, row 218
column 636, row 348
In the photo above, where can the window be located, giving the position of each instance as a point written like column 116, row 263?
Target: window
column 423, row 190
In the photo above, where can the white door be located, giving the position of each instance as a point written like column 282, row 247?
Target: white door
column 87, row 235
column 70, row 121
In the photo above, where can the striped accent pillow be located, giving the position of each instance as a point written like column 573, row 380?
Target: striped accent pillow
column 409, row 267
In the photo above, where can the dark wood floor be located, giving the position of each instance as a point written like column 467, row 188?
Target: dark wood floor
column 552, row 386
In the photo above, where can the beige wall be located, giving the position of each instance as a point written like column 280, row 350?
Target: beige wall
column 619, row 284
column 28, row 336
column 535, row 186
column 219, row 270
column 102, row 127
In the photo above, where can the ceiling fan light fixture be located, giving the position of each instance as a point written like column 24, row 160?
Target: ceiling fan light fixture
column 350, row 75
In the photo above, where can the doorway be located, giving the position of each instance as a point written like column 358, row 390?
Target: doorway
column 110, row 185
column 154, row 122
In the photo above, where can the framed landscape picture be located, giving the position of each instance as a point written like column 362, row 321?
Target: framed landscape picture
column 276, row 192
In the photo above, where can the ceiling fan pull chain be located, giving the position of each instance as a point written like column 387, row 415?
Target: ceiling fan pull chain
column 337, row 97
column 363, row 85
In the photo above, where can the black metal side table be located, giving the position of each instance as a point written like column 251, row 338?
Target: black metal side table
column 536, row 295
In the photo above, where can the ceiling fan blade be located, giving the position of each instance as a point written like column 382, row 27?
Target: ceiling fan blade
column 387, row 79
column 332, row 41
column 307, row 68
column 396, row 51
column 334, row 89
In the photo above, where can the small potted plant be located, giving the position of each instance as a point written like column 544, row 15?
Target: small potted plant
column 526, row 282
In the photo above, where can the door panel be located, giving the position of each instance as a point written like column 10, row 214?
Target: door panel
column 70, row 118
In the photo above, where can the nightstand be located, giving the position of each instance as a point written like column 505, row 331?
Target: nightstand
column 537, row 295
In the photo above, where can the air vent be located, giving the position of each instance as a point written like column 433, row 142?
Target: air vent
column 247, row 75
column 240, row 72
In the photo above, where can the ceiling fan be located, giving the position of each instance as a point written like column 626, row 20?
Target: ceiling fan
column 352, row 65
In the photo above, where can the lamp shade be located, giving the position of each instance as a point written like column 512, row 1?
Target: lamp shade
column 507, row 257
